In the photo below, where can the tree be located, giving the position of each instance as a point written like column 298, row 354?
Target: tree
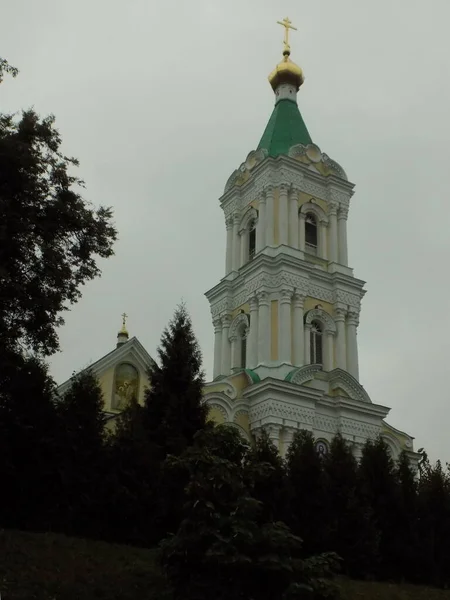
column 350, row 530
column 224, row 547
column 434, row 524
column 49, row 236
column 379, row 488
column 268, row 475
column 5, row 67
column 406, row 538
column 174, row 406
column 131, row 493
column 82, row 439
column 28, row 448
column 307, row 492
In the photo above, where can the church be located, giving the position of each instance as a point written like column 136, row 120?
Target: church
column 286, row 312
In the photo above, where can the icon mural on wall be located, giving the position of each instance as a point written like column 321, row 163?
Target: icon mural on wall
column 125, row 385
column 321, row 448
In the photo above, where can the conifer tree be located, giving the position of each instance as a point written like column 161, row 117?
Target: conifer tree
column 82, row 438
column 406, row 540
column 379, row 488
column 174, row 407
column 28, row 449
column 434, row 525
column 350, row 530
column 307, row 492
column 268, row 474
column 131, row 493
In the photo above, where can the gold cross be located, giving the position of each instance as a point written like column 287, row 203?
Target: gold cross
column 124, row 319
column 287, row 24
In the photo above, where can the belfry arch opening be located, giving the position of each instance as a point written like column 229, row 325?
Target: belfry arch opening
column 311, row 232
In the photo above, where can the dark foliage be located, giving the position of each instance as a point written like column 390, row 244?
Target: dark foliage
column 81, row 439
column 49, row 236
column 350, row 529
column 174, row 407
column 224, row 547
column 307, row 492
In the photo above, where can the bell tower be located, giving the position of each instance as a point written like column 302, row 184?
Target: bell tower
column 286, row 311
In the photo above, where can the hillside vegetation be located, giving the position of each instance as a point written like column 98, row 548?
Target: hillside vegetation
column 55, row 567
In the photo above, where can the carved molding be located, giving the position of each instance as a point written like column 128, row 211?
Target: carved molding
column 238, row 326
column 284, row 410
column 304, row 374
column 320, row 315
column 342, row 379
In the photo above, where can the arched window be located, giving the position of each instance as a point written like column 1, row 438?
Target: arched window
column 251, row 239
column 311, row 233
column 244, row 335
column 126, row 386
column 316, row 344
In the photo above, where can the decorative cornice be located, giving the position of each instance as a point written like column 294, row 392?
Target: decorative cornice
column 323, row 317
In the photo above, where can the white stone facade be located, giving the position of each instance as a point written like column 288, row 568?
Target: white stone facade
column 286, row 312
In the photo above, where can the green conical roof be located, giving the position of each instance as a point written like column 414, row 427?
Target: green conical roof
column 284, row 129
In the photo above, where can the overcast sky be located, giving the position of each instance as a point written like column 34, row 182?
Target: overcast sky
column 162, row 100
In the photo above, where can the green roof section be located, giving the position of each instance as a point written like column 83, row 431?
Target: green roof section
column 253, row 376
column 285, row 128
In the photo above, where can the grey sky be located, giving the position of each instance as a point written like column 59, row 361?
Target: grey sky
column 161, row 101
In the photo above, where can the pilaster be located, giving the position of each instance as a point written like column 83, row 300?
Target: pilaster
column 263, row 328
column 226, row 349
column 285, row 326
column 261, row 224
column 297, row 330
column 342, row 234
column 236, row 242
column 229, row 251
column 333, row 249
column 341, row 361
column 293, row 219
column 283, row 216
column 217, row 348
column 269, row 191
column 252, row 341
column 352, row 344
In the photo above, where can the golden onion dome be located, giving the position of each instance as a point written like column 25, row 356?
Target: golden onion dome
column 286, row 72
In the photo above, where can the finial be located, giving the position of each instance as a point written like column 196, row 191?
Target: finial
column 287, row 24
column 124, row 323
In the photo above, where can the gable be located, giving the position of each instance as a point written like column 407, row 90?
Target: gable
column 122, row 373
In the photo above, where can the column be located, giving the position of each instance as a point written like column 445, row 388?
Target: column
column 261, row 224
column 217, row 369
column 293, row 219
column 342, row 235
column 341, row 361
column 333, row 248
column 329, row 351
column 229, row 255
column 263, row 328
column 307, row 356
column 352, row 344
column 252, row 339
column 235, row 352
column 274, row 434
column 243, row 243
column 269, row 216
column 301, row 231
column 236, row 242
column 283, row 216
column 298, row 332
column 288, row 437
column 285, row 326
column 226, row 350
column 322, row 241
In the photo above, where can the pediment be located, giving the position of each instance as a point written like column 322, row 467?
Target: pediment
column 132, row 351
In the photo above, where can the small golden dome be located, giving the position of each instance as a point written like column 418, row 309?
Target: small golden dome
column 286, row 72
